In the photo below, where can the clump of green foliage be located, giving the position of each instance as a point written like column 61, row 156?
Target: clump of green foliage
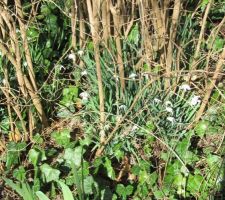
column 152, row 154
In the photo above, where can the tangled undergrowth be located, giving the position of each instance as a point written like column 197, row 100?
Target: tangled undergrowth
column 111, row 100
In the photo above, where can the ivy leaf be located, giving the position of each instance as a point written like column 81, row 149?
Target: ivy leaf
column 88, row 185
column 201, row 128
column 120, row 189
column 13, row 153
column 134, row 36
column 74, row 155
column 109, row 168
column 194, row 183
column 19, row 174
column 49, row 174
column 62, row 137
column 35, row 156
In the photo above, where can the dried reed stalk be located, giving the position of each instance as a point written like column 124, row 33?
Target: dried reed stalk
column 93, row 12
column 115, row 10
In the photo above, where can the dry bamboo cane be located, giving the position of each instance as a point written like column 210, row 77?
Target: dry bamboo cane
column 173, row 30
column 93, row 11
column 25, row 44
column 73, row 23
column 115, row 10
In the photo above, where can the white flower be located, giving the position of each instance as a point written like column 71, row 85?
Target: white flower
column 84, row 73
column 132, row 76
column 185, row 87
column 169, row 109
column 80, row 52
column 84, row 96
column 17, row 30
column 4, row 82
column 145, row 75
column 118, row 118
column 195, row 100
column 25, row 64
column 157, row 100
column 72, row 56
column 116, row 78
column 122, row 107
column 60, row 67
column 171, row 119
column 168, row 103
column 134, row 128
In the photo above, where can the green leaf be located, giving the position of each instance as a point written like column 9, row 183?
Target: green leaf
column 70, row 94
column 19, row 174
column 41, row 196
column 143, row 177
column 134, row 35
column 194, row 183
column 14, row 186
column 35, row 156
column 49, row 173
column 62, row 137
column 178, row 180
column 129, row 190
column 201, row 128
column 109, row 168
column 88, row 185
column 150, row 125
column 67, row 194
column 38, row 139
column 213, row 160
column 74, row 155
column 13, row 153
column 120, row 189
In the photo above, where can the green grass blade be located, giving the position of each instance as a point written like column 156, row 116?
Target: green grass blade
column 14, row 186
column 41, row 196
column 67, row 194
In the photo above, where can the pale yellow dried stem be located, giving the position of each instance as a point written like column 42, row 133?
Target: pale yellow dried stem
column 36, row 101
column 106, row 21
column 115, row 10
column 93, row 11
column 172, row 36
column 20, row 19
column 74, row 23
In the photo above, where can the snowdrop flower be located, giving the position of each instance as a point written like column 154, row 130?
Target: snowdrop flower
column 25, row 64
column 132, row 76
column 118, row 118
column 84, row 73
column 4, row 82
column 195, row 100
column 157, row 100
column 72, row 56
column 60, row 67
column 171, row 119
column 84, row 96
column 80, row 52
column 116, row 78
column 145, row 75
column 134, row 128
column 168, row 103
column 185, row 87
column 122, row 107
column 169, row 109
